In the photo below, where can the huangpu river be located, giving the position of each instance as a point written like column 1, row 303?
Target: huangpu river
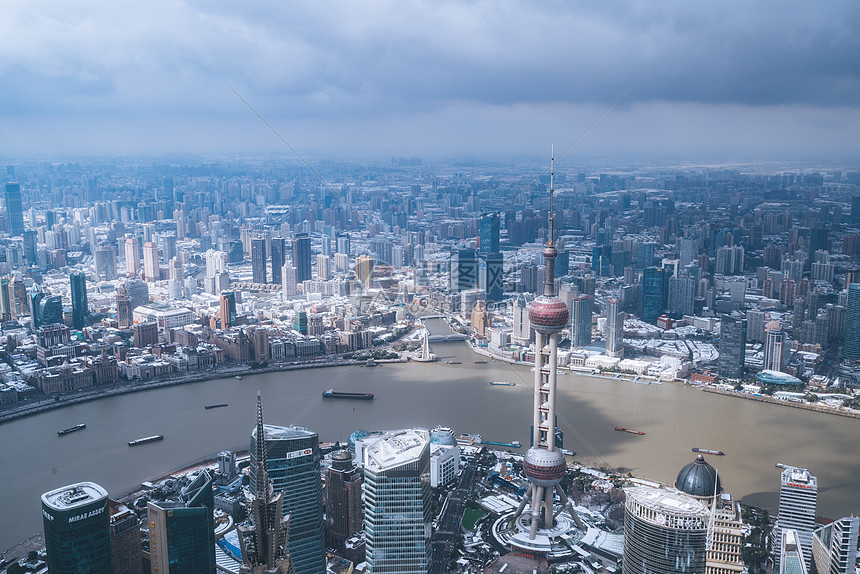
column 675, row 418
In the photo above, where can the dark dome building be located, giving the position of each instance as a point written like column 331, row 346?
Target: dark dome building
column 699, row 479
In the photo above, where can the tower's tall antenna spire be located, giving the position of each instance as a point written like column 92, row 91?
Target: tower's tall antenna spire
column 551, row 191
column 262, row 485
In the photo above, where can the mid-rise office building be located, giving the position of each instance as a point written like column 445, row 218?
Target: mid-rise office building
column 397, row 502
column 77, row 529
column 733, row 341
column 182, row 530
column 665, row 532
column 293, row 462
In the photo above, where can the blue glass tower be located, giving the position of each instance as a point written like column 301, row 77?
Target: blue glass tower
column 851, row 348
column 654, row 291
column 14, row 209
column 488, row 233
column 293, row 465
column 77, row 529
column 79, row 299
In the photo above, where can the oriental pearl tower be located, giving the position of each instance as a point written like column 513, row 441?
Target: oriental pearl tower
column 544, row 465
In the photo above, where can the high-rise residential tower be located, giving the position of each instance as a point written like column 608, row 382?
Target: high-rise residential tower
column 77, row 529
column 397, row 502
column 132, row 256
column 544, row 464
column 151, row 270
column 614, row 328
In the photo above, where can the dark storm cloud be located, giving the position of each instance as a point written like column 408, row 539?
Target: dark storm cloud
column 415, row 65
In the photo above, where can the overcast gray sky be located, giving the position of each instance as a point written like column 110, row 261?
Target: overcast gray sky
column 712, row 78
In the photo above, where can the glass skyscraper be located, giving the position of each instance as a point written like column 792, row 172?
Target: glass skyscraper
column 851, row 348
column 258, row 260
column 14, row 209
column 397, row 503
column 182, row 531
column 293, row 464
column 302, row 256
column 653, row 294
column 278, row 258
column 80, row 308
column 488, row 233
column 665, row 532
column 77, row 529
column 733, row 341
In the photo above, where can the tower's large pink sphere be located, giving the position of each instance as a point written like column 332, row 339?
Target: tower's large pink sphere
column 543, row 467
column 548, row 314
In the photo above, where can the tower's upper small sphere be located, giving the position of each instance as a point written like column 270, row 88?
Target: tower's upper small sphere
column 544, row 467
column 550, row 252
column 548, row 314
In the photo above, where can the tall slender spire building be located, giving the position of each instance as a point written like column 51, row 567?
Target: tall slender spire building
column 544, row 465
column 264, row 538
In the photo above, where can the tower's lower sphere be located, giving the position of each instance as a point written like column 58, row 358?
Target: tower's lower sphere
column 543, row 467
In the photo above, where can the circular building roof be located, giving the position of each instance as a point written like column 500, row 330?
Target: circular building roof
column 356, row 435
column 699, row 479
column 442, row 437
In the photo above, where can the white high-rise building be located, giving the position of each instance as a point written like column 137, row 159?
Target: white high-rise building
column 614, row 329
column 288, row 280
column 397, row 502
column 798, row 496
column 834, row 546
